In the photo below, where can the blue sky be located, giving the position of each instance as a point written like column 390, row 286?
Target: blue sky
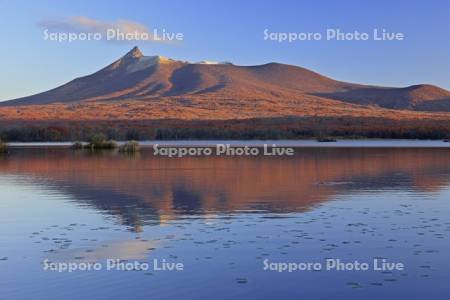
column 232, row 31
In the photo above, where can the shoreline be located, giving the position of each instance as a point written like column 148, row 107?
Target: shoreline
column 360, row 143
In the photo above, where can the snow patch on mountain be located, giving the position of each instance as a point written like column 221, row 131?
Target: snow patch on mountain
column 145, row 62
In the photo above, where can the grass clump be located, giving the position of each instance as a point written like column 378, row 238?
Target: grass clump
column 99, row 142
column 77, row 146
column 130, row 147
column 3, row 147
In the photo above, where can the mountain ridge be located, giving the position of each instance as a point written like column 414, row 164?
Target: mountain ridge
column 135, row 76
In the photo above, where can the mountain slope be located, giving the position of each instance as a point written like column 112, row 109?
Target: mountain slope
column 138, row 77
column 416, row 97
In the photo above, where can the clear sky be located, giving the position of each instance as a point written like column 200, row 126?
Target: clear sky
column 233, row 31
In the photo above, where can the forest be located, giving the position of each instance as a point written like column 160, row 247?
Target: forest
column 241, row 129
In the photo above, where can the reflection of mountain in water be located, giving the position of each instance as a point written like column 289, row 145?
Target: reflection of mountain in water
column 148, row 189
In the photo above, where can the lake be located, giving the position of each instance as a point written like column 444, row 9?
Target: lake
column 227, row 227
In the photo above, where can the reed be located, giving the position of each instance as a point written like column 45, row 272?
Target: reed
column 97, row 142
column 130, row 147
column 3, row 147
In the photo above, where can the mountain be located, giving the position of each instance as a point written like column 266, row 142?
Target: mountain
column 135, row 77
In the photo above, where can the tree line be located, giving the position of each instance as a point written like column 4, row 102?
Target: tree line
column 282, row 128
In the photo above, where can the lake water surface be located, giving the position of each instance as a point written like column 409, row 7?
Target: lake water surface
column 224, row 218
